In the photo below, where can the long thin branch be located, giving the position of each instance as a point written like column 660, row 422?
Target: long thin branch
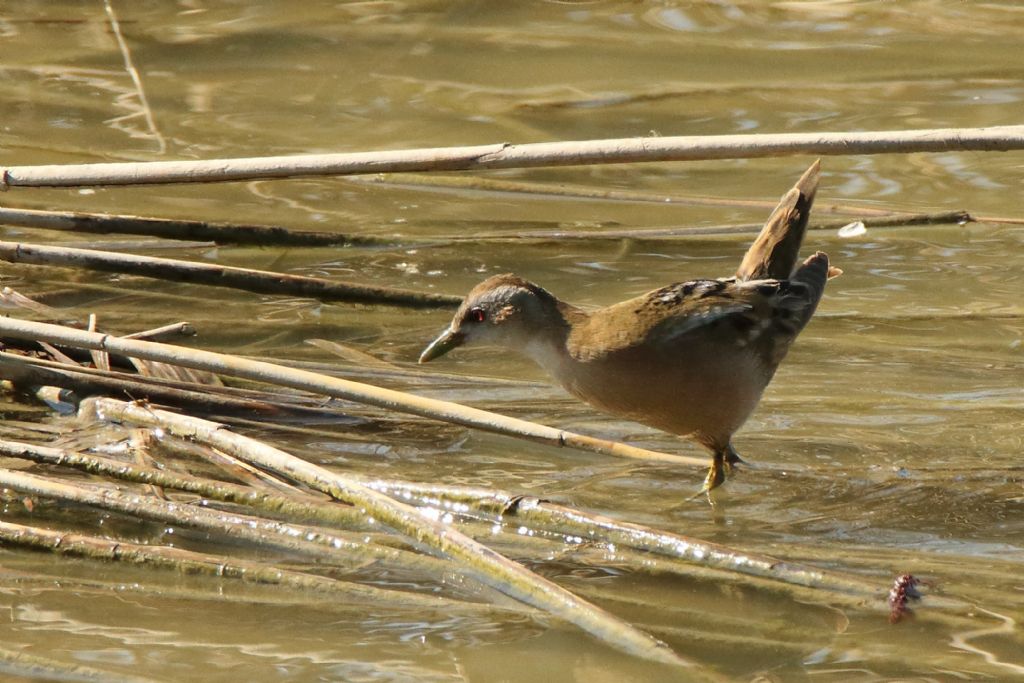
column 81, row 545
column 258, row 281
column 294, row 506
column 504, row 155
column 334, row 386
column 488, row 566
column 168, row 228
column 464, row 183
column 259, row 531
column 888, row 221
column 26, row 371
column 133, row 73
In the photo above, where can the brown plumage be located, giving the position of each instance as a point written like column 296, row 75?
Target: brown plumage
column 692, row 358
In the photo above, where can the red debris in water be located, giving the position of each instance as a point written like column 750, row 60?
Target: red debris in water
column 904, row 589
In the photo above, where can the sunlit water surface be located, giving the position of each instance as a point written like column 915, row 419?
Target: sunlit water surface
column 889, row 442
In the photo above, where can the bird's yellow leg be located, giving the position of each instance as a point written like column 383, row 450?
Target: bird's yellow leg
column 716, row 473
column 723, row 462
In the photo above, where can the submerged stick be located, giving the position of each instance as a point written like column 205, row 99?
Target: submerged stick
column 133, row 73
column 221, row 233
column 261, row 532
column 189, row 562
column 464, row 183
column 388, row 399
column 295, row 505
column 547, row 516
column 887, row 221
column 257, row 281
column 26, row 371
column 538, row 514
column 489, row 567
column 504, row 155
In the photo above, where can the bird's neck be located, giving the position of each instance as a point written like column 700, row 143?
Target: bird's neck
column 547, row 344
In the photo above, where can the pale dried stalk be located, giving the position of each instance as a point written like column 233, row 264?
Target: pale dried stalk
column 333, row 386
column 192, row 230
column 547, row 516
column 534, row 512
column 504, row 155
column 486, row 565
column 186, row 561
column 133, row 73
column 84, row 381
column 258, row 281
column 265, row 533
column 294, row 506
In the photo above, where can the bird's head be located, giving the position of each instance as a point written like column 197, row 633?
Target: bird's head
column 503, row 310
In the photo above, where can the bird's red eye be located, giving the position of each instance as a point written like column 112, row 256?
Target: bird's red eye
column 476, row 315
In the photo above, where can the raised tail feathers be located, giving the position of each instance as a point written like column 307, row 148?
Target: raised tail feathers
column 774, row 253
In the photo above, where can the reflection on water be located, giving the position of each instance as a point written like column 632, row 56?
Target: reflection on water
column 889, row 442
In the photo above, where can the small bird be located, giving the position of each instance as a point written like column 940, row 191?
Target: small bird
column 691, row 358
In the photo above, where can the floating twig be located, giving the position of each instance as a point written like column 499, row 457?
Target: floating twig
column 182, row 329
column 389, row 399
column 221, row 233
column 504, row 155
column 488, row 566
column 889, row 221
column 265, row 533
column 499, row 185
column 295, row 505
column 26, row 371
column 133, row 73
column 189, row 562
column 257, row 281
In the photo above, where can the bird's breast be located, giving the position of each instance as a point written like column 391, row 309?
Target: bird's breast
column 698, row 388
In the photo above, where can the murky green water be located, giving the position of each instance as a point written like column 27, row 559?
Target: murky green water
column 889, row 442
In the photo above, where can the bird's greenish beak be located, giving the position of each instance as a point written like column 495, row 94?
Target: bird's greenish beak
column 448, row 340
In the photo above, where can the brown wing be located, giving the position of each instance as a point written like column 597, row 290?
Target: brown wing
column 659, row 318
column 765, row 315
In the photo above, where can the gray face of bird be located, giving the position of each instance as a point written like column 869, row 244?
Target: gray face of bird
column 500, row 313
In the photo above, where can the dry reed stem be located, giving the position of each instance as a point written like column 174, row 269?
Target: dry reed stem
column 486, row 565
column 294, row 505
column 264, row 533
column 888, row 221
column 387, row 399
column 504, row 155
column 192, row 230
column 133, row 73
column 258, row 281
column 181, row 329
column 189, row 562
column 26, row 371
